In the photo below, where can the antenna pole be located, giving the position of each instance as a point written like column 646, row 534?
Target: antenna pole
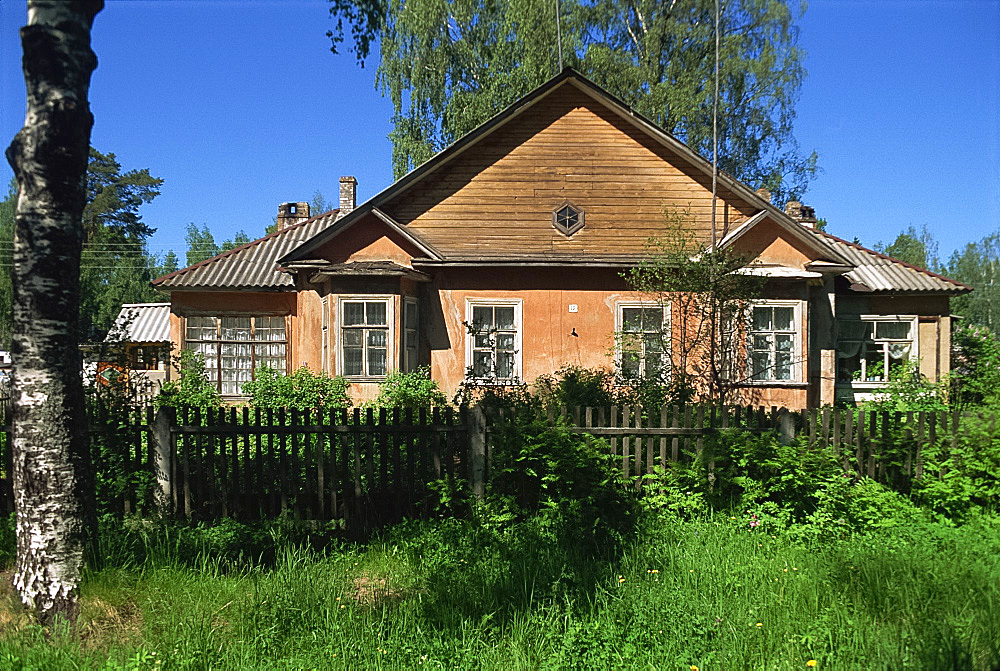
column 559, row 36
column 715, row 127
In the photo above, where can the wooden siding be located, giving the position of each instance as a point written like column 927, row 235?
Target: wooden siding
column 497, row 198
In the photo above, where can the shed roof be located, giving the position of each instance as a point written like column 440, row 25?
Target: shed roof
column 878, row 272
column 141, row 322
column 250, row 266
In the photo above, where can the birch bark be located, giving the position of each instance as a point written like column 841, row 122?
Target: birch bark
column 52, row 479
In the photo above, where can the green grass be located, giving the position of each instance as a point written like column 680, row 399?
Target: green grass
column 453, row 594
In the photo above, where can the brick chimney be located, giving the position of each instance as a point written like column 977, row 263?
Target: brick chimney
column 291, row 213
column 764, row 193
column 803, row 214
column 348, row 199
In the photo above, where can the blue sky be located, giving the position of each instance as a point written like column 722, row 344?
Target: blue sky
column 239, row 106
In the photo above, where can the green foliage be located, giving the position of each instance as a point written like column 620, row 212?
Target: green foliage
column 201, row 243
column 909, row 390
column 302, row 390
column 575, row 386
column 546, row 469
column 975, row 367
column 8, row 547
column 192, row 389
column 450, row 66
column 413, row 390
column 978, row 265
column 918, row 248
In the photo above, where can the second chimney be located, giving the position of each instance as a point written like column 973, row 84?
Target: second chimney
column 803, row 214
column 291, row 213
column 348, row 198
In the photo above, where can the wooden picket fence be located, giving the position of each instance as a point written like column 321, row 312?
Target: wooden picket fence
column 372, row 467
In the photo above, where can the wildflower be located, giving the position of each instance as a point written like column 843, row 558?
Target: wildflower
column 811, row 662
column 691, row 571
column 786, row 570
column 621, row 580
column 794, row 569
column 693, row 667
column 760, row 624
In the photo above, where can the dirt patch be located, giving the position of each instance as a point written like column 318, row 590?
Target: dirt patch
column 13, row 616
column 103, row 625
column 369, row 589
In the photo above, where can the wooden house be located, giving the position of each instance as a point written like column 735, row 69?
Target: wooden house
column 501, row 259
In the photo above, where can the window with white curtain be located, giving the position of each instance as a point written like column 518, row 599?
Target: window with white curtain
column 365, row 342
column 234, row 346
column 871, row 348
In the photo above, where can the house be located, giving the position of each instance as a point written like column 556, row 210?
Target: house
column 500, row 259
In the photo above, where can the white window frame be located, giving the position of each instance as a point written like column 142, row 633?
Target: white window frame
column 409, row 362
column 390, row 319
column 914, row 341
column 620, row 307
column 798, row 358
column 517, row 304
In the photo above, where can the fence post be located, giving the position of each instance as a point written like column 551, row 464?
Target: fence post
column 163, row 448
column 786, row 427
column 477, row 447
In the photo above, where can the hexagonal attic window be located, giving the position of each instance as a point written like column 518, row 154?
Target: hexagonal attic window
column 567, row 219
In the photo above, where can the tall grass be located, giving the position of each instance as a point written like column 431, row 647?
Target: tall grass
column 709, row 592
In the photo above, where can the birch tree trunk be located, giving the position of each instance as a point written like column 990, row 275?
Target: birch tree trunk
column 53, row 485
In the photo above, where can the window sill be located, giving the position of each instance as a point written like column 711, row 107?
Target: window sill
column 861, row 385
column 364, row 379
column 492, row 382
column 774, row 383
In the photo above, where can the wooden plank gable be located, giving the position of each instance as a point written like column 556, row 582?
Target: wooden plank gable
column 497, row 199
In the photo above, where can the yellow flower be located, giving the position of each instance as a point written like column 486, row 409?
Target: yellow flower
column 760, row 624
column 693, row 667
column 621, row 580
column 811, row 662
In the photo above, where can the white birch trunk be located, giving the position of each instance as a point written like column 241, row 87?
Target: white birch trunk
column 53, row 486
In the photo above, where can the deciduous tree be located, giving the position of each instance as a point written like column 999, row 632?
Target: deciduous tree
column 52, row 480
column 449, row 66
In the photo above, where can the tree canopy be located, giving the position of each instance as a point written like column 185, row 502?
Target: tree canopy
column 450, row 66
column 116, row 265
column 201, row 243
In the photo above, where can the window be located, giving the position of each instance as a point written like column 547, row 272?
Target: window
column 642, row 333
column 364, row 337
column 493, row 344
column 235, row 346
column 567, row 218
column 773, row 348
column 410, row 331
column 871, row 348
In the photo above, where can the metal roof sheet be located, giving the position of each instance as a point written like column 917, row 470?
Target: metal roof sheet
column 250, row 266
column 141, row 322
column 879, row 272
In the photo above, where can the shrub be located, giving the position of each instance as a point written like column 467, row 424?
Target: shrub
column 302, row 390
column 412, row 390
column 192, row 389
column 573, row 386
column 569, row 479
column 975, row 365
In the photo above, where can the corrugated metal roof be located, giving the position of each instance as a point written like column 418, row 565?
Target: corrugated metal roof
column 141, row 322
column 250, row 266
column 879, row 272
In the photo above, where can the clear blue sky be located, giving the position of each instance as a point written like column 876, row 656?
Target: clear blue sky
column 239, row 106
